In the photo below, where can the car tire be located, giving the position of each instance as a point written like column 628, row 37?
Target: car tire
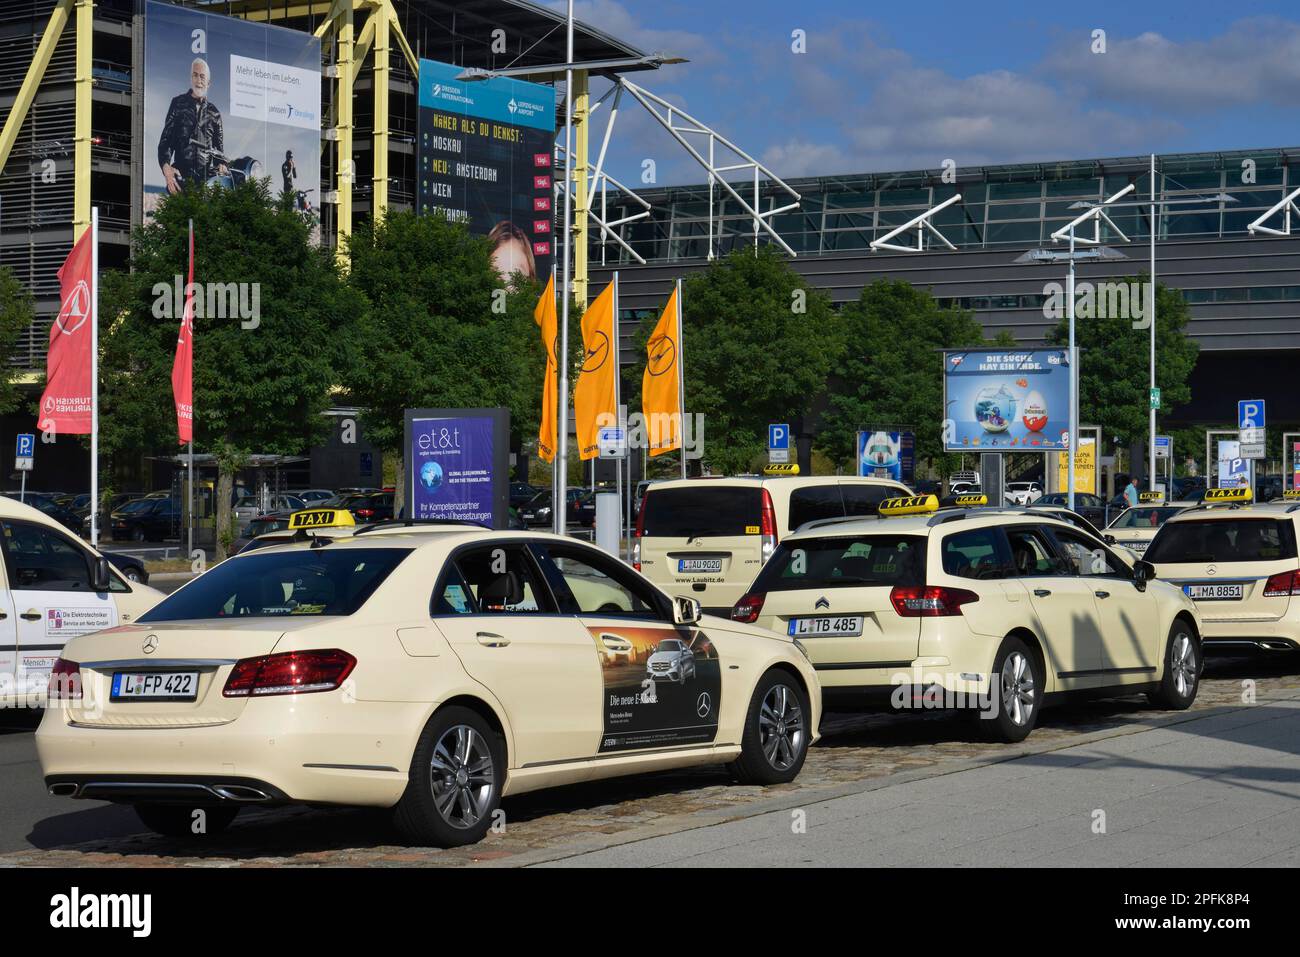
column 777, row 731
column 1017, row 684
column 132, row 575
column 137, row 535
column 1182, row 672
column 177, row 820
column 442, row 806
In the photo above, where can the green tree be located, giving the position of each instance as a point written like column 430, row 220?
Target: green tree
column 892, row 372
column 15, row 316
column 272, row 331
column 442, row 328
column 758, row 343
column 1114, row 365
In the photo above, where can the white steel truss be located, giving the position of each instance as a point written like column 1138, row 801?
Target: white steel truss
column 1096, row 214
column 602, row 181
column 921, row 224
column 1287, row 206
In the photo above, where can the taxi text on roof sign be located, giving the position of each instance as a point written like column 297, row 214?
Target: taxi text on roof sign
column 791, row 468
column 1151, row 496
column 321, row 518
column 1291, row 494
column 970, row 501
column 909, row 505
column 1241, row 494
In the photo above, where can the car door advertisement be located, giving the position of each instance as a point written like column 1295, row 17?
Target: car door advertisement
column 662, row 686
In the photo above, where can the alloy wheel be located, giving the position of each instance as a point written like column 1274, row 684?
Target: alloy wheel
column 781, row 727
column 1019, row 696
column 1182, row 662
column 461, row 773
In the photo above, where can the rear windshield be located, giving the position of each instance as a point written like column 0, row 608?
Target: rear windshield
column 1223, row 540
column 1139, row 518
column 300, row 582
column 844, row 562
column 701, row 511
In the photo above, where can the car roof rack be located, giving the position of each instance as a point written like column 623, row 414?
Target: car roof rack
column 415, row 522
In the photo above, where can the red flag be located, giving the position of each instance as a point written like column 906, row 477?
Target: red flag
column 66, row 403
column 183, row 366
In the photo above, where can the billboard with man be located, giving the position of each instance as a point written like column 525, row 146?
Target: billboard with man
column 484, row 153
column 226, row 100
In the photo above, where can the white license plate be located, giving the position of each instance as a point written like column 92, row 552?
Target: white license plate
column 1138, row 547
column 155, row 685
column 848, row 626
column 699, row 565
column 1217, row 592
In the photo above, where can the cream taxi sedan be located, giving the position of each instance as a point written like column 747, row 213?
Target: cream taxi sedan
column 1135, row 528
column 989, row 611
column 1238, row 562
column 432, row 670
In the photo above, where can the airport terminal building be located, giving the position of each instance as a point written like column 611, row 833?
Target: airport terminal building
column 1243, row 290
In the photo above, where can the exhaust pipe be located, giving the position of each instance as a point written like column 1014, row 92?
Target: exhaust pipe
column 239, row 792
column 66, row 789
column 1276, row 645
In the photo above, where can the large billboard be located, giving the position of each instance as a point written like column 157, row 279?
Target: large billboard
column 458, row 465
column 885, row 454
column 226, row 100
column 1006, row 401
column 484, row 155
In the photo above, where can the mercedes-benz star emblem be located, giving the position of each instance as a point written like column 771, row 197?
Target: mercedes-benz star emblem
column 822, row 603
column 150, row 644
column 1211, row 570
column 703, row 704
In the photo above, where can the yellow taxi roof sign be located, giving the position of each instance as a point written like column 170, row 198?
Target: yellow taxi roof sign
column 321, row 518
column 1240, row 494
column 789, row 468
column 1151, row 496
column 1291, row 494
column 909, row 505
column 970, row 500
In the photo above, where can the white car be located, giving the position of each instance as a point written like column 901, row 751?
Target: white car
column 984, row 610
column 1023, row 493
column 430, row 670
column 672, row 660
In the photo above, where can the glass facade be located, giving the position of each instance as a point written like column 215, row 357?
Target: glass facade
column 1001, row 206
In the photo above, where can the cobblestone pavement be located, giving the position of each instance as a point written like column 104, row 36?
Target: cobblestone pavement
column 856, row 753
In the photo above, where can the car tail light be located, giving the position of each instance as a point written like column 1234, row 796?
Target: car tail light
column 1282, row 584
column 292, row 672
column 767, row 527
column 929, row 601
column 65, row 681
column 365, row 512
column 748, row 608
column 640, row 530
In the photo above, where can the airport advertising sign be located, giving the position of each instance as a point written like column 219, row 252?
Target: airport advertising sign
column 1006, row 401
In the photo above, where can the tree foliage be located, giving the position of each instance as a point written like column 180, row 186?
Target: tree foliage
column 16, row 313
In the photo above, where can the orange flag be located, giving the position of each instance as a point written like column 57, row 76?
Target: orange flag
column 661, row 383
column 595, row 400
column 544, row 316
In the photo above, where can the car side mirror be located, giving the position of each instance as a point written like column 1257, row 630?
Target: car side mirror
column 686, row 611
column 1143, row 572
column 103, row 577
column 1110, row 539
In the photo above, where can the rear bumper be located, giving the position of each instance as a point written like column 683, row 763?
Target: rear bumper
column 1233, row 646
column 165, row 789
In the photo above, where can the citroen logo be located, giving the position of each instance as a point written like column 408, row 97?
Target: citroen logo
column 822, row 603
column 150, row 644
column 703, row 704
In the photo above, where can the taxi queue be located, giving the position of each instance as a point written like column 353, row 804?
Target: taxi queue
column 540, row 660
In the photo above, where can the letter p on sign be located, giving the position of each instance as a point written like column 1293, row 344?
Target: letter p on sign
column 778, row 436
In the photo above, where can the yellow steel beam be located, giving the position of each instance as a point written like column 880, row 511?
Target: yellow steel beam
column 81, row 122
column 411, row 60
column 581, row 116
column 379, row 145
column 362, row 47
column 32, row 81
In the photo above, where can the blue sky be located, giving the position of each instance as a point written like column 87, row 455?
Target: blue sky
column 907, row 85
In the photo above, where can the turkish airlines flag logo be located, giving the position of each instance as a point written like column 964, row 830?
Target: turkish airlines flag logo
column 183, row 366
column 67, row 403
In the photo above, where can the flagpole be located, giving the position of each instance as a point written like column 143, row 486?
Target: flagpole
column 681, row 383
column 189, row 509
column 559, row 491
column 94, row 377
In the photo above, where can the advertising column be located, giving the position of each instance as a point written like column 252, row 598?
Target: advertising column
column 458, row 465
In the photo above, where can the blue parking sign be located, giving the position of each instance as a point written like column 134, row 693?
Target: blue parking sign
column 1250, row 414
column 778, row 435
column 26, row 445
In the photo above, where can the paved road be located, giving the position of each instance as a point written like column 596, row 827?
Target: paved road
column 1217, row 791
